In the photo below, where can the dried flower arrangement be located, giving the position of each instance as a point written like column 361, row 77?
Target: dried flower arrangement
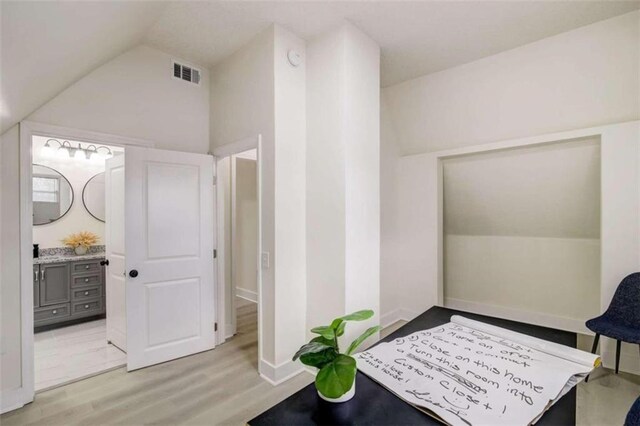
column 81, row 241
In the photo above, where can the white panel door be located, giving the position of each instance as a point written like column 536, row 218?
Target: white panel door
column 169, row 234
column 115, row 252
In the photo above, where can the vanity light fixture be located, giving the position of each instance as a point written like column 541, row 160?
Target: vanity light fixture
column 65, row 147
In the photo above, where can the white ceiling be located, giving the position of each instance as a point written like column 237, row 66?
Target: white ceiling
column 416, row 38
column 46, row 46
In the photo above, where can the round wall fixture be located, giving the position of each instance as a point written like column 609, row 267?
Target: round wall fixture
column 295, row 58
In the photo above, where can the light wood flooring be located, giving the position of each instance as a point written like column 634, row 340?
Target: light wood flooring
column 218, row 387
column 222, row 387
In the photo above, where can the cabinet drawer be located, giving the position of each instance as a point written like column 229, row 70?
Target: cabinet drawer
column 51, row 312
column 82, row 267
column 86, row 279
column 86, row 307
column 86, row 293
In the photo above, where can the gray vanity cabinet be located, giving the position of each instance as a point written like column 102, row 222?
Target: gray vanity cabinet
column 54, row 284
column 65, row 291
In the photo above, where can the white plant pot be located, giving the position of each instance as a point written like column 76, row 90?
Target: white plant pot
column 344, row 398
column 80, row 250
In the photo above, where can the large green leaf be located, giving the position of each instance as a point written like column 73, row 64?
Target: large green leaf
column 324, row 331
column 340, row 329
column 328, row 342
column 336, row 323
column 336, row 378
column 311, row 347
column 354, row 345
column 319, row 359
column 358, row 316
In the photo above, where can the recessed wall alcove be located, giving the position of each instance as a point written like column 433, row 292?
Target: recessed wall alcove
column 521, row 230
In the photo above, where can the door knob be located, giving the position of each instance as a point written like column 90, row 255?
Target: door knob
column 133, row 273
column 104, row 262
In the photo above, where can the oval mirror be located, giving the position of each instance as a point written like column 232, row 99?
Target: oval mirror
column 93, row 196
column 52, row 195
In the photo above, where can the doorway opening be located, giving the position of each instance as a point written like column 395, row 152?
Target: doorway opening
column 69, row 286
column 239, row 265
column 160, row 213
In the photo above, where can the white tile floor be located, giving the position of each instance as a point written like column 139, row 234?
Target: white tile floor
column 71, row 353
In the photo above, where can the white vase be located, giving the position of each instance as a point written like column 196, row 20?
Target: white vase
column 344, row 398
column 80, row 250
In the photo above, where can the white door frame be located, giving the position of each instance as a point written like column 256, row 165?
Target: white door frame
column 223, row 151
column 28, row 129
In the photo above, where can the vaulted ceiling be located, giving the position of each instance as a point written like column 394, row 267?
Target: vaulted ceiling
column 46, row 46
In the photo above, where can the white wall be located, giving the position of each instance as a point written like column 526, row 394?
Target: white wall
column 325, row 180
column 242, row 106
column 10, row 339
column 256, row 92
column 586, row 77
column 390, row 244
column 582, row 78
column 289, row 261
column 77, row 172
column 522, row 230
column 136, row 95
column 245, row 228
column 343, row 177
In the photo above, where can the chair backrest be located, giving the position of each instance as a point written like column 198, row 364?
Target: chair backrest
column 625, row 305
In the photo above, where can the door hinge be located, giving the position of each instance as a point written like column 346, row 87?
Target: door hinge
column 215, row 253
column 215, row 326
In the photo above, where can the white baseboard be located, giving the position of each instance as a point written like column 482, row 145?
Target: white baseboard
column 400, row 314
column 276, row 374
column 249, row 295
column 629, row 355
column 229, row 331
column 529, row 317
column 12, row 399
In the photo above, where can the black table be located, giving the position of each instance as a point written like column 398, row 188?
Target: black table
column 374, row 405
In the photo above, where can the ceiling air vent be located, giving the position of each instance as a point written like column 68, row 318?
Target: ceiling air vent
column 186, row 73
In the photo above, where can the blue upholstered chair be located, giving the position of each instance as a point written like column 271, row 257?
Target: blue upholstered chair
column 633, row 418
column 621, row 321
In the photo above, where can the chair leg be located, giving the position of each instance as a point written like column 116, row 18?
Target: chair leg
column 618, row 342
column 595, row 343
column 593, row 351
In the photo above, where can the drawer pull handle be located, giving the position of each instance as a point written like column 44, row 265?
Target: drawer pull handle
column 86, row 293
column 86, row 280
column 55, row 311
column 86, row 267
column 86, row 306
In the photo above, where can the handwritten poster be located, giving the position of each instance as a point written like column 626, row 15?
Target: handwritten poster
column 467, row 376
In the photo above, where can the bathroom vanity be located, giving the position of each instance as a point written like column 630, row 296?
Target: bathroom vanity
column 67, row 288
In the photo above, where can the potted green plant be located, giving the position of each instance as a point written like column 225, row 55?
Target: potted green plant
column 335, row 380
